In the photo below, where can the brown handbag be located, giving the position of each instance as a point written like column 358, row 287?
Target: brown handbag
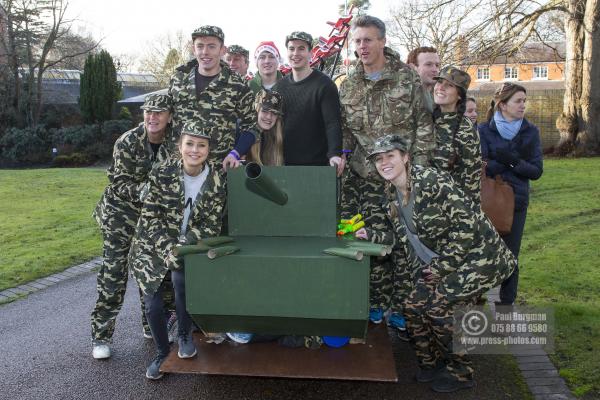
column 497, row 201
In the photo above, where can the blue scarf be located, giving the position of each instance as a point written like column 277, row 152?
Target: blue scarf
column 508, row 130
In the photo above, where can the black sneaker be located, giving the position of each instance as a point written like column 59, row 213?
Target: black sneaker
column 446, row 383
column 153, row 370
column 428, row 375
column 186, row 346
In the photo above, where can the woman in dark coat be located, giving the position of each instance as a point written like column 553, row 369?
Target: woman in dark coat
column 511, row 145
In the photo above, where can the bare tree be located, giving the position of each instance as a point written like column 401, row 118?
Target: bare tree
column 76, row 47
column 427, row 23
column 164, row 53
column 125, row 62
column 34, row 28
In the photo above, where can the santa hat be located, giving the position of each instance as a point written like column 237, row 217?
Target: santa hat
column 267, row 46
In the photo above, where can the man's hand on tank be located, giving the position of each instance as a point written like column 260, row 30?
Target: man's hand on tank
column 339, row 163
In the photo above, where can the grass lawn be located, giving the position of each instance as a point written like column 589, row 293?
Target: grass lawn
column 560, row 259
column 45, row 221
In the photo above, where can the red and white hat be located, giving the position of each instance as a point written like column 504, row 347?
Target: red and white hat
column 267, row 46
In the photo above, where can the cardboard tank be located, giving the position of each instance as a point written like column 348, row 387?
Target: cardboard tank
column 275, row 277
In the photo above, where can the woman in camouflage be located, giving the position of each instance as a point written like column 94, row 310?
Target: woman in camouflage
column 135, row 153
column 459, row 256
column 457, row 150
column 268, row 149
column 184, row 204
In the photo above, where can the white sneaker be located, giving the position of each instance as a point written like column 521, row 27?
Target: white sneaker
column 101, row 351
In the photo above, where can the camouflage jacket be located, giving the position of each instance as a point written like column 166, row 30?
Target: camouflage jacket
column 390, row 105
column 159, row 226
column 226, row 99
column 464, row 149
column 468, row 246
column 133, row 159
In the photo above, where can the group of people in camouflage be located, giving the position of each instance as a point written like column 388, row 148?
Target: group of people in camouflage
column 398, row 135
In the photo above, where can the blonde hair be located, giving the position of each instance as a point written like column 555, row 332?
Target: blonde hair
column 272, row 150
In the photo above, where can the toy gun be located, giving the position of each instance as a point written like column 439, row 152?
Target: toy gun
column 350, row 225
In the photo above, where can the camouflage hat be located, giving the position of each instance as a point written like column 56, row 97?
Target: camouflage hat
column 455, row 76
column 209, row 30
column 236, row 49
column 195, row 129
column 298, row 35
column 387, row 143
column 157, row 103
column 272, row 101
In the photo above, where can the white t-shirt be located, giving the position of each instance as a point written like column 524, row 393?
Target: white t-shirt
column 193, row 191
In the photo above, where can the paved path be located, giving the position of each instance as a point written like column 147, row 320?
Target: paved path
column 46, row 353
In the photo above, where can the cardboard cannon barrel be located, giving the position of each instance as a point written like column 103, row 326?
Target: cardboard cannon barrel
column 264, row 185
column 280, row 281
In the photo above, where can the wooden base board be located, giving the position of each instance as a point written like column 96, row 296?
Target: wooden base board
column 372, row 361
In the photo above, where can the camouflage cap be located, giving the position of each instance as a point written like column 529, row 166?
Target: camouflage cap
column 209, row 30
column 157, row 102
column 455, row 76
column 299, row 35
column 196, row 129
column 272, row 101
column 387, row 143
column 237, row 49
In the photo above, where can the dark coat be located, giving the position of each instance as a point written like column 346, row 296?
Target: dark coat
column 526, row 145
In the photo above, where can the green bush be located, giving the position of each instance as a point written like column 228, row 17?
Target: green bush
column 111, row 130
column 75, row 139
column 72, row 160
column 57, row 115
column 25, row 146
column 124, row 113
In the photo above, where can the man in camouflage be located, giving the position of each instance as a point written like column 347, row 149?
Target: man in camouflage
column 460, row 256
column 426, row 61
column 237, row 58
column 458, row 150
column 206, row 90
column 135, row 154
column 381, row 96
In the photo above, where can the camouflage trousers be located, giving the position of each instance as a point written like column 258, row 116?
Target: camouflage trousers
column 111, row 285
column 388, row 274
column 402, row 277
column 430, row 320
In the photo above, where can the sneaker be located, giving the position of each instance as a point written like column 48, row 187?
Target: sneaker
column 172, row 327
column 239, row 337
column 376, row 315
column 153, row 370
column 101, row 351
column 426, row 375
column 446, row 383
column 147, row 333
column 398, row 322
column 186, row 346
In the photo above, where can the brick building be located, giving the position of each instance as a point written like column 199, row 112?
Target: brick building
column 534, row 62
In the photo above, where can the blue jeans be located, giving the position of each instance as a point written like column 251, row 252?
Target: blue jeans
column 155, row 312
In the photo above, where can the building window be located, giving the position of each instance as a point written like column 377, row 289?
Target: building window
column 483, row 74
column 511, row 73
column 540, row 72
